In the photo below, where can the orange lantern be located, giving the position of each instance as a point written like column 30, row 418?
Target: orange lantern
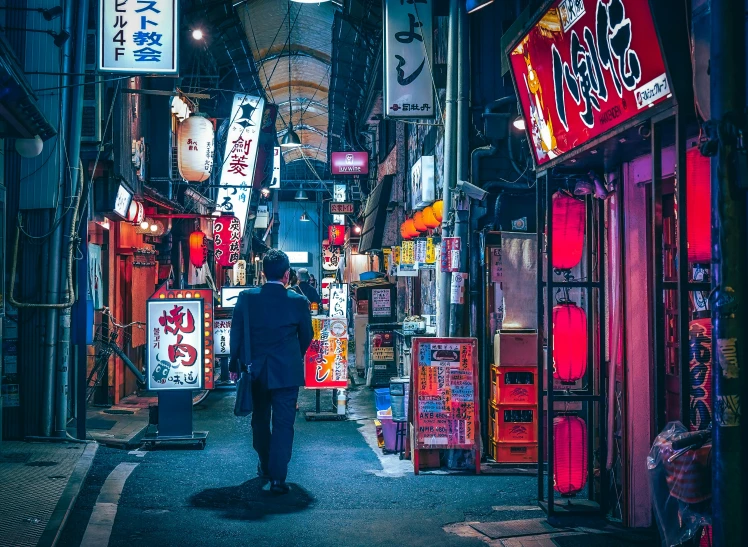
column 198, row 249
column 438, row 208
column 418, row 222
column 404, row 231
column 410, row 228
column 429, row 218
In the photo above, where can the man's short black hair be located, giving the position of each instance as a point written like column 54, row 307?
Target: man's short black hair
column 275, row 264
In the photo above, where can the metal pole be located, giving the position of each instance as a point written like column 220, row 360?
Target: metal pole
column 728, row 304
column 462, row 144
column 450, row 168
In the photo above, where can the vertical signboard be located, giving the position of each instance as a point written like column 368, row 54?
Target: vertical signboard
column 138, row 36
column 175, row 344
column 326, row 360
column 408, row 31
column 339, row 300
column 276, row 180
column 222, row 336
column 445, row 395
column 227, row 236
column 240, row 157
column 586, row 67
column 422, row 182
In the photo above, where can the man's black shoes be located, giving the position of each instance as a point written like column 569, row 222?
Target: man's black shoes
column 279, row 488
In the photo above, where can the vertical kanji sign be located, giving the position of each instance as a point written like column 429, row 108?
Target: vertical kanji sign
column 408, row 29
column 227, row 237
column 240, row 156
column 586, row 67
column 138, row 36
column 326, row 360
column 175, row 343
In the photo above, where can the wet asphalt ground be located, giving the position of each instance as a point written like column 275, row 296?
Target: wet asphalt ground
column 343, row 492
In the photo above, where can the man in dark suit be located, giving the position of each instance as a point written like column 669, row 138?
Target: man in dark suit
column 271, row 330
column 310, row 292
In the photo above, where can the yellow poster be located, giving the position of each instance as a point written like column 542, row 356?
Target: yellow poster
column 395, row 256
column 408, row 253
column 430, row 251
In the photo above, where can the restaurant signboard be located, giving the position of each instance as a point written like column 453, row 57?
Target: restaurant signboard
column 583, row 69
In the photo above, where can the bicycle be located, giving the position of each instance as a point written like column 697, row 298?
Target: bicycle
column 108, row 337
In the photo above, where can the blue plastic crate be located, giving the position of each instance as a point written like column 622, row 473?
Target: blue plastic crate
column 382, row 398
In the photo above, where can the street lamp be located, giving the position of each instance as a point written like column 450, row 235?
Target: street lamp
column 197, row 34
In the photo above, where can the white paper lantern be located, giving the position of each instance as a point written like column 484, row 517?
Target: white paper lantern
column 29, row 148
column 195, row 154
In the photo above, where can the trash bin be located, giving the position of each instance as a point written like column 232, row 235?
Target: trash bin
column 399, row 392
column 389, row 430
column 382, row 398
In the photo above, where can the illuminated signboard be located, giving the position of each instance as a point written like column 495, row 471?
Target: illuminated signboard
column 349, row 163
column 586, row 67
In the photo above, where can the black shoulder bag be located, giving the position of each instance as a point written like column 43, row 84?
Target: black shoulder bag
column 244, row 405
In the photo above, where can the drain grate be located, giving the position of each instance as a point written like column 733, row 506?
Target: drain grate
column 516, row 528
column 15, row 457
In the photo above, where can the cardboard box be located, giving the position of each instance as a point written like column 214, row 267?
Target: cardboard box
column 515, row 348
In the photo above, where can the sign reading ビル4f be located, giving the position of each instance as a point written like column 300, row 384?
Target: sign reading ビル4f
column 586, row 67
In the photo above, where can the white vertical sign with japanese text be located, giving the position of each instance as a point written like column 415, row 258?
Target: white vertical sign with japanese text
column 138, row 36
column 222, row 336
column 339, row 300
column 408, row 31
column 240, row 156
column 175, row 344
column 276, row 181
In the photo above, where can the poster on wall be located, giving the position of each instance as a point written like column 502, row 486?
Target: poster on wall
column 586, row 67
column 138, row 37
column 175, row 344
column 382, row 348
column 326, row 360
column 408, row 80
column 445, row 390
column 380, row 303
column 450, row 254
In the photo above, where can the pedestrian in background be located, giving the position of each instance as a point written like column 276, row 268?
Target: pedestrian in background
column 271, row 330
column 306, row 287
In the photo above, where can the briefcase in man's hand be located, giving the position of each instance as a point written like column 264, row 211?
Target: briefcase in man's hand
column 244, row 405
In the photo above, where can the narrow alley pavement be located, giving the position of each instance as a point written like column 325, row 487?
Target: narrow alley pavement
column 343, row 493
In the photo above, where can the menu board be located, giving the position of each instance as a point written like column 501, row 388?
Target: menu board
column 326, row 360
column 445, row 394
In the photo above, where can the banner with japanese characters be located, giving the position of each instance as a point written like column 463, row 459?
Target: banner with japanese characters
column 240, row 157
column 586, row 67
column 339, row 300
column 408, row 31
column 222, row 336
column 138, row 36
column 227, row 235
column 326, row 360
column 175, row 343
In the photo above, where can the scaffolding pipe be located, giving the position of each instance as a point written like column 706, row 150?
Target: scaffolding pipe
column 449, row 181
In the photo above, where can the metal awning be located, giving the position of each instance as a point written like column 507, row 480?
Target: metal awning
column 20, row 116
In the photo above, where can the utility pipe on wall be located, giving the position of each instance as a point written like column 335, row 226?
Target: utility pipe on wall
column 449, row 179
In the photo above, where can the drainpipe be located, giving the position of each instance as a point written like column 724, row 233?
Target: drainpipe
column 449, row 180
column 729, row 286
column 461, row 228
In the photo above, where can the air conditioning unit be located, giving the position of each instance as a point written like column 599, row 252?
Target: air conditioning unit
column 91, row 126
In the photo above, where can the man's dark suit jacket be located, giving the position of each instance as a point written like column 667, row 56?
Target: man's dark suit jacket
column 310, row 292
column 279, row 326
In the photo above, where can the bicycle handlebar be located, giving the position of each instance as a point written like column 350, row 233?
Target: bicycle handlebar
column 111, row 317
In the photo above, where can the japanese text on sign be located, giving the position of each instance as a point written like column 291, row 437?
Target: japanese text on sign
column 240, row 156
column 326, row 360
column 408, row 29
column 227, row 238
column 138, row 36
column 381, row 305
column 175, row 344
column 584, row 68
column 222, row 336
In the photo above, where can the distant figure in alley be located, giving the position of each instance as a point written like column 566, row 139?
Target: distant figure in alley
column 270, row 332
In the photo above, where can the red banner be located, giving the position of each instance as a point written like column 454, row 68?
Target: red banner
column 227, row 237
column 336, row 235
column 586, row 67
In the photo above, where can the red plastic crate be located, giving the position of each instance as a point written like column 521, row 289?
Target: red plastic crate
column 515, row 424
column 516, row 386
column 514, row 452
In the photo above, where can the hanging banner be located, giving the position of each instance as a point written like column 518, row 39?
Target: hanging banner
column 226, row 240
column 222, row 336
column 330, row 256
column 138, row 37
column 175, row 344
column 585, row 68
column 240, row 157
column 422, row 181
column 408, row 80
column 336, row 235
column 276, row 181
column 339, row 300
column 326, row 360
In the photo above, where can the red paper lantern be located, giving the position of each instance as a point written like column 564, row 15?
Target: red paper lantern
column 569, row 454
column 198, row 249
column 568, row 231
column 438, row 208
column 429, row 218
column 336, row 234
column 404, row 232
column 569, row 342
column 418, row 222
column 227, row 238
column 410, row 229
column 699, row 207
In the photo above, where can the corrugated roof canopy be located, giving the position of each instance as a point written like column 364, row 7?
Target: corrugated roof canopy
column 266, row 24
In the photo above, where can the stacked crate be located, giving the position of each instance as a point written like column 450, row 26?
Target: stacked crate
column 513, row 413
